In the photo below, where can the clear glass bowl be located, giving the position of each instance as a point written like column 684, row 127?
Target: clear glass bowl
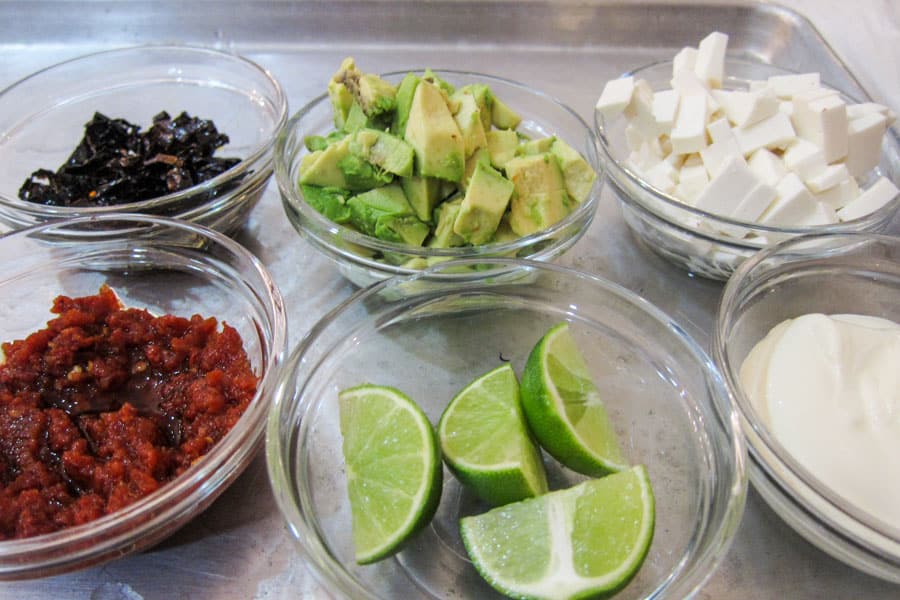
column 167, row 267
column 429, row 337
column 542, row 116
column 42, row 119
column 837, row 273
column 691, row 238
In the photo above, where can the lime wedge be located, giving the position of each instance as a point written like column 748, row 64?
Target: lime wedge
column 486, row 442
column 564, row 409
column 394, row 468
column 574, row 543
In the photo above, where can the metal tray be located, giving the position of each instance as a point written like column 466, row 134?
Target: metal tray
column 239, row 548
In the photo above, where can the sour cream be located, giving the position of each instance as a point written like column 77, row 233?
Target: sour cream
column 828, row 387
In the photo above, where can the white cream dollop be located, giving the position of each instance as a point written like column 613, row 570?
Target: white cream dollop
column 828, row 387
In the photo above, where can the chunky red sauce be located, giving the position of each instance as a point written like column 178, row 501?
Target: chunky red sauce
column 107, row 404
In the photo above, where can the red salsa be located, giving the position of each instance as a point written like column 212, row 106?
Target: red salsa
column 107, row 404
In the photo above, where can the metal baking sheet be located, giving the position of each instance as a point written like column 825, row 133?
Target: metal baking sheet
column 239, row 548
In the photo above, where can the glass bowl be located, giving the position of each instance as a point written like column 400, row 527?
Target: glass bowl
column 429, row 337
column 167, row 267
column 835, row 273
column 42, row 119
column 693, row 238
column 542, row 116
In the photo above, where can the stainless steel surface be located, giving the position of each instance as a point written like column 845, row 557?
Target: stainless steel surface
column 239, row 547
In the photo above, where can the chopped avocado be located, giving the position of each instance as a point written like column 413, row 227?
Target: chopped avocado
column 502, row 116
column 434, row 135
column 385, row 201
column 468, row 119
column 374, row 95
column 504, row 231
column 423, row 194
column 383, row 150
column 405, row 92
column 322, row 167
column 482, row 155
column 329, row 201
column 502, row 144
column 407, row 229
column 318, row 142
column 538, row 146
column 341, row 100
column 578, row 175
column 356, row 119
column 540, row 199
column 361, row 175
column 432, row 77
column 483, row 98
column 445, row 216
column 482, row 207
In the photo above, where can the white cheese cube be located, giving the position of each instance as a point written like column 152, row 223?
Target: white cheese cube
column 793, row 207
column 787, row 86
column 684, row 60
column 827, row 178
column 823, row 121
column 718, row 154
column 855, row 111
column 662, row 176
column 787, row 107
column 634, row 137
column 804, row 158
column 692, row 180
column 727, row 189
column 646, row 156
column 686, row 83
column 756, row 85
column 689, row 133
column 665, row 110
column 710, row 63
column 692, row 160
column 755, row 203
column 640, row 110
column 768, row 167
column 746, row 108
column 773, row 132
column 615, row 97
column 881, row 192
column 864, row 143
column 840, row 195
column 719, row 130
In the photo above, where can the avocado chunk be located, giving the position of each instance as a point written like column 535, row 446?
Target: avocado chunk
column 368, row 207
column 329, row 201
column 540, row 198
column 356, row 119
column 341, row 100
column 468, row 119
column 538, row 146
column 432, row 77
column 502, row 144
column 383, row 150
column 406, row 229
column 502, row 116
column 504, row 232
column 445, row 216
column 482, row 155
column 361, row 175
column 434, row 135
column 483, row 205
column 374, row 95
column 322, row 167
column 578, row 175
column 483, row 98
column 405, row 92
column 423, row 194
column 319, row 142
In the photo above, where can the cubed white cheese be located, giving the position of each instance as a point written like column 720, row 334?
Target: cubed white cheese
column 786, row 86
column 686, row 83
column 870, row 200
column 746, row 108
column 823, row 121
column 719, row 130
column 689, row 133
column 662, row 176
column 840, row 195
column 727, row 189
column 684, row 60
column 768, row 167
column 634, row 137
column 640, row 110
column 855, row 111
column 710, row 63
column 615, row 97
column 773, row 132
column 787, row 107
column 804, row 158
column 647, row 156
column 864, row 143
column 665, row 110
column 692, row 179
column 793, row 207
column 717, row 155
column 827, row 178
column 755, row 202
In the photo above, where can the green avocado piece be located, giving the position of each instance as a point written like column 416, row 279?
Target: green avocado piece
column 322, row 167
column 540, row 198
column 433, row 77
column 386, row 201
column 356, row 119
column 502, row 116
column 361, row 175
column 434, row 135
column 319, row 142
column 423, row 194
column 405, row 92
column 504, row 231
column 445, row 216
column 482, row 155
column 468, row 119
column 502, row 144
column 482, row 207
column 374, row 95
column 329, row 201
column 383, row 150
column 538, row 146
column 406, row 229
column 483, row 98
column 341, row 100
column 578, row 175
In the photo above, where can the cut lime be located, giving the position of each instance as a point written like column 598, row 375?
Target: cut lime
column 486, row 442
column 394, row 469
column 574, row 543
column 564, row 409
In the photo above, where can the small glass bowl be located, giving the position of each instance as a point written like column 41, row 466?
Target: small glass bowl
column 542, row 116
column 693, row 238
column 830, row 274
column 42, row 119
column 167, row 267
column 429, row 337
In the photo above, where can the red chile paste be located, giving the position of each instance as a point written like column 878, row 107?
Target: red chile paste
column 106, row 405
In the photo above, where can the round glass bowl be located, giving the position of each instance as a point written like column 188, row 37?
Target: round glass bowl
column 693, row 238
column 542, row 116
column 840, row 273
column 429, row 337
column 42, row 119
column 167, row 267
